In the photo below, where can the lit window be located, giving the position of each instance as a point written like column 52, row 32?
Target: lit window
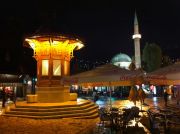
column 56, row 67
column 66, row 68
column 45, row 67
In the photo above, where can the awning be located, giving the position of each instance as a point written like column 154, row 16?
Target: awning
column 169, row 75
column 106, row 75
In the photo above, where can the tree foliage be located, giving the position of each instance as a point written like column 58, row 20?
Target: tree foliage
column 132, row 66
column 152, row 57
column 166, row 61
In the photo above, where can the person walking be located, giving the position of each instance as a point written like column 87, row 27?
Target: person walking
column 165, row 97
column 14, row 97
column 94, row 95
column 3, row 97
column 178, row 96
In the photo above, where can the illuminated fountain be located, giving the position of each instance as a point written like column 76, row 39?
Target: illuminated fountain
column 53, row 54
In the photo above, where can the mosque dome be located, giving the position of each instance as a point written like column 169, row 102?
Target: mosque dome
column 122, row 60
column 121, row 57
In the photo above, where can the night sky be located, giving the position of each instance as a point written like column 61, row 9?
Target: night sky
column 105, row 26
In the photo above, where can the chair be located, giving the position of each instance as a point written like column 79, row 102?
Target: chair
column 127, row 116
column 104, row 116
column 155, row 122
column 104, row 119
column 130, row 114
column 136, row 112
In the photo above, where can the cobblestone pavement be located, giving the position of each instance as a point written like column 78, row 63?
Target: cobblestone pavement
column 14, row 125
column 152, row 101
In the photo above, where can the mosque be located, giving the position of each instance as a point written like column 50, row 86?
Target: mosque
column 123, row 60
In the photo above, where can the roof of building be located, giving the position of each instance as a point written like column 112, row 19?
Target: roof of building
column 12, row 78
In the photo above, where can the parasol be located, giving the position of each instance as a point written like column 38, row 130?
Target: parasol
column 169, row 75
column 133, row 95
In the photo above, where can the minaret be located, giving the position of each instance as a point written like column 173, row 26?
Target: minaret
column 137, row 38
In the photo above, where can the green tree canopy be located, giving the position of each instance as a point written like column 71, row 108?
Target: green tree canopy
column 132, row 66
column 166, row 60
column 152, row 57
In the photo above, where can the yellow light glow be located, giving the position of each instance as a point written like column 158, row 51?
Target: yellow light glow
column 59, row 45
column 56, row 67
column 79, row 45
column 45, row 67
column 66, row 69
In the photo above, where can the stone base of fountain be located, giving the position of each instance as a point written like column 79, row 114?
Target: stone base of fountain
column 53, row 94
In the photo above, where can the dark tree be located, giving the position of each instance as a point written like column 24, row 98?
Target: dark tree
column 166, row 60
column 152, row 57
column 132, row 66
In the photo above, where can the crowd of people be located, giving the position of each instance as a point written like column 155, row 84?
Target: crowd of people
column 8, row 94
